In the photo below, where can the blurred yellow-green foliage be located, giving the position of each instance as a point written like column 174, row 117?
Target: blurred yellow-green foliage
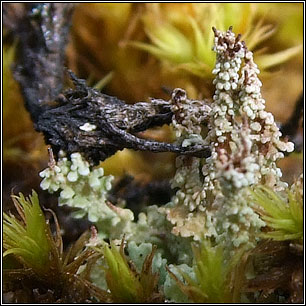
column 178, row 37
column 144, row 46
column 20, row 142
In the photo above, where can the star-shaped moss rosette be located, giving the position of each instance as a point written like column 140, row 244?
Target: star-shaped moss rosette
column 27, row 239
column 283, row 215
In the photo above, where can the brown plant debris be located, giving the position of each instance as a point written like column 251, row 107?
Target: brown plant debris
column 81, row 120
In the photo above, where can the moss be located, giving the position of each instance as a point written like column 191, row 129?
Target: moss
column 39, row 264
column 283, row 214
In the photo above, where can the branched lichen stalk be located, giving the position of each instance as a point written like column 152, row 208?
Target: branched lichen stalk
column 245, row 144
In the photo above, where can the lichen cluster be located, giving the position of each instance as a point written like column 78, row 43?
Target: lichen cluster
column 245, row 145
column 213, row 203
column 211, row 199
column 246, row 140
column 80, row 187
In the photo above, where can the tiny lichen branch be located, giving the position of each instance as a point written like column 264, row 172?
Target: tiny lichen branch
column 189, row 115
column 80, row 187
column 245, row 144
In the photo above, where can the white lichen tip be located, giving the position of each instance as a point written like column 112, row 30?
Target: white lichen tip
column 88, row 127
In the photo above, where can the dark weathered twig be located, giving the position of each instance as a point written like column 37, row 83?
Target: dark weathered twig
column 82, row 119
column 42, row 32
column 98, row 125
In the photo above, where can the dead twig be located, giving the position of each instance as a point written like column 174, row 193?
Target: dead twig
column 81, row 119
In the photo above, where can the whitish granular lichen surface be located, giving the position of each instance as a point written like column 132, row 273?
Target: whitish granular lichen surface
column 245, row 145
column 80, row 187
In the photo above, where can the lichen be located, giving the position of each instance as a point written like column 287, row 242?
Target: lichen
column 86, row 189
column 152, row 227
column 87, row 127
column 171, row 289
column 245, row 145
column 213, row 200
column 138, row 253
column 212, row 197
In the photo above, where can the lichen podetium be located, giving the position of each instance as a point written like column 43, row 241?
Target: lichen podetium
column 245, row 143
